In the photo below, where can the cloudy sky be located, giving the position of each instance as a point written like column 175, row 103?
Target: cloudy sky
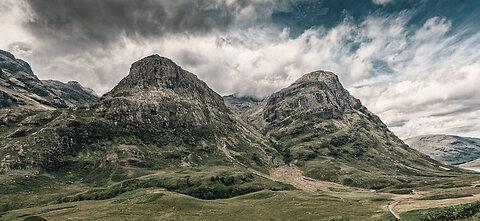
column 415, row 63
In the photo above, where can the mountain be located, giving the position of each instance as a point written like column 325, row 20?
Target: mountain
column 160, row 99
column 162, row 127
column 246, row 108
column 20, row 87
column 449, row 149
column 159, row 91
column 320, row 128
column 72, row 92
column 158, row 120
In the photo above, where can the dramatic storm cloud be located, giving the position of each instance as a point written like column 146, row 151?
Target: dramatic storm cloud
column 104, row 22
column 415, row 63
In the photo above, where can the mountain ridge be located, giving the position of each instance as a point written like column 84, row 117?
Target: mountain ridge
column 331, row 136
column 449, row 149
column 19, row 86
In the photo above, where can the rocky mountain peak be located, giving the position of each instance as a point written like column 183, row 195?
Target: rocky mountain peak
column 155, row 72
column 316, row 92
column 158, row 90
column 12, row 64
column 324, row 76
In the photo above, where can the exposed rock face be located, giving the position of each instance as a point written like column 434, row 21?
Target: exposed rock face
column 316, row 92
column 20, row 87
column 159, row 91
column 9, row 62
column 449, row 149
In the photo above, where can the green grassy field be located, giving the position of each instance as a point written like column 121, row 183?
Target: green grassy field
column 158, row 204
column 469, row 211
column 167, row 195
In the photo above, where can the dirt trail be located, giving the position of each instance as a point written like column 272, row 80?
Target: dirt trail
column 390, row 208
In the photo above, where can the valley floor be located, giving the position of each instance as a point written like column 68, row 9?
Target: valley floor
column 314, row 200
column 281, row 205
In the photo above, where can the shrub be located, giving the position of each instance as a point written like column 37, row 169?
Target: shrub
column 445, row 196
column 404, row 191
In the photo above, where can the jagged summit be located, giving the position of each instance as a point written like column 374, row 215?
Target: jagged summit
column 10, row 62
column 319, row 75
column 158, row 90
column 156, row 72
column 314, row 92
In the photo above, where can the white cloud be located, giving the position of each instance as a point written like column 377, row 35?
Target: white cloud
column 433, row 28
column 12, row 14
column 381, row 2
column 434, row 87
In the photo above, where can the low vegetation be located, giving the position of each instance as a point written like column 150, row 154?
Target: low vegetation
column 445, row 196
column 402, row 191
column 459, row 212
column 215, row 187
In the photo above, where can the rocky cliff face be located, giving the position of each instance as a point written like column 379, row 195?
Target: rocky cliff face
column 9, row 62
column 175, row 107
column 20, row 87
column 317, row 93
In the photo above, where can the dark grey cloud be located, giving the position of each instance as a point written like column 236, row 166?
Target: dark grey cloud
column 84, row 22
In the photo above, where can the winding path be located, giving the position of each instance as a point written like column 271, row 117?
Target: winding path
column 390, row 208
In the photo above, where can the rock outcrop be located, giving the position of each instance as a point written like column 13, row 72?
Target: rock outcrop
column 9, row 62
column 317, row 92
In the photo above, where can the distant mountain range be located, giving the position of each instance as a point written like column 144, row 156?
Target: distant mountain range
column 449, row 149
